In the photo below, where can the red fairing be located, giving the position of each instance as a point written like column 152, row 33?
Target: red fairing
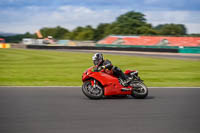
column 129, row 71
column 85, row 75
column 108, row 81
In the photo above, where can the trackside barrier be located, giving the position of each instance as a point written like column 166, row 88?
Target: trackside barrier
column 171, row 50
column 135, row 46
column 4, row 45
column 189, row 50
column 194, row 50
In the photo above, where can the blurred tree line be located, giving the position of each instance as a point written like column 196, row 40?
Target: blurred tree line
column 130, row 23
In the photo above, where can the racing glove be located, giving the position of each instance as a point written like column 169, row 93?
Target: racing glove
column 97, row 69
column 100, row 68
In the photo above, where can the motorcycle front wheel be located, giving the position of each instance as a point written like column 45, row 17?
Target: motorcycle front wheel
column 91, row 92
column 140, row 92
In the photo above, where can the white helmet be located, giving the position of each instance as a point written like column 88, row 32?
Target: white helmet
column 97, row 58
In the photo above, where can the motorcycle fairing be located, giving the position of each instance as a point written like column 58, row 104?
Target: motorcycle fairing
column 110, row 83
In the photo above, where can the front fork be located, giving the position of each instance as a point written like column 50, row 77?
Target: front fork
column 93, row 83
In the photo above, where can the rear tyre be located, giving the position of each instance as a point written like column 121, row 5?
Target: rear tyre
column 140, row 91
column 91, row 92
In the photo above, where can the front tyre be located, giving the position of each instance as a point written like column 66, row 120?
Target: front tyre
column 91, row 92
column 140, row 91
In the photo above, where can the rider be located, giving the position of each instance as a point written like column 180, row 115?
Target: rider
column 100, row 64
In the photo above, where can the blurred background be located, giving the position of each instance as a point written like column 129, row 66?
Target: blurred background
column 67, row 22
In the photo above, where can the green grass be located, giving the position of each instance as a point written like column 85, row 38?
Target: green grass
column 20, row 67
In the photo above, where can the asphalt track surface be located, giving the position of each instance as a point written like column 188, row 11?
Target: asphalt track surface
column 67, row 110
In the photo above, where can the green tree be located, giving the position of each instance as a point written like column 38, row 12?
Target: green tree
column 60, row 32
column 57, row 32
column 171, row 29
column 75, row 32
column 101, row 31
column 18, row 38
column 87, row 33
column 130, row 23
column 144, row 30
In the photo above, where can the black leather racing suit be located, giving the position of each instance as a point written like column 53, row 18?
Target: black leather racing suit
column 106, row 64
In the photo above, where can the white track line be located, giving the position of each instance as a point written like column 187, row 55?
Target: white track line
column 76, row 87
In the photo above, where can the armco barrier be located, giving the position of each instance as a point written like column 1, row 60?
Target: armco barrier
column 194, row 50
column 171, row 50
column 135, row 46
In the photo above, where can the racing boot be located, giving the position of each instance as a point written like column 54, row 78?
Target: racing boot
column 125, row 82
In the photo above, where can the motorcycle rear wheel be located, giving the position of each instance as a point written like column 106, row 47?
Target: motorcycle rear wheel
column 91, row 92
column 140, row 92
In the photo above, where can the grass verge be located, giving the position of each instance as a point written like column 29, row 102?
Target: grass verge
column 21, row 67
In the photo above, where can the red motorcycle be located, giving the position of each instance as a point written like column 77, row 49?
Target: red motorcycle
column 97, row 85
